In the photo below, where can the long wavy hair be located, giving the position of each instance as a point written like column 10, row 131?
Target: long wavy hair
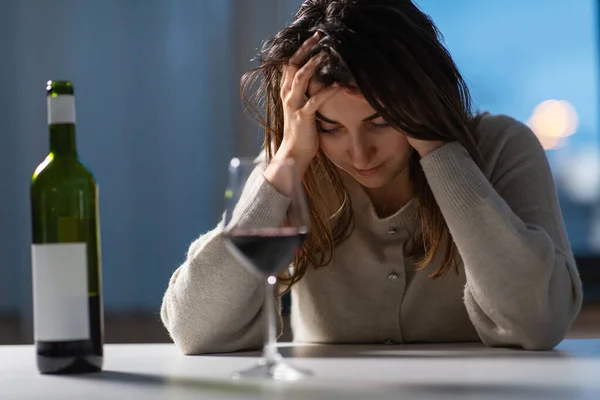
column 393, row 53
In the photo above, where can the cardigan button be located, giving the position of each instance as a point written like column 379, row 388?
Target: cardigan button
column 392, row 276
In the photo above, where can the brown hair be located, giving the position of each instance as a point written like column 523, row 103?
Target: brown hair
column 393, row 52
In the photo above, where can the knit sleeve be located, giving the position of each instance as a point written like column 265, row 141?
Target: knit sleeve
column 522, row 285
column 213, row 303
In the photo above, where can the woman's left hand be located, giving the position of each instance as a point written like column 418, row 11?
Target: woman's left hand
column 424, row 147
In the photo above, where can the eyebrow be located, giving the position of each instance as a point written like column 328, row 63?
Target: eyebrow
column 330, row 121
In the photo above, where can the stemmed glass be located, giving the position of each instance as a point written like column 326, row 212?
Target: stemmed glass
column 264, row 233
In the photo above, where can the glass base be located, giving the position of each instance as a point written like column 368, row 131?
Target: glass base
column 274, row 370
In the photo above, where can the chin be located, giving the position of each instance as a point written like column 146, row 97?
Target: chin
column 371, row 182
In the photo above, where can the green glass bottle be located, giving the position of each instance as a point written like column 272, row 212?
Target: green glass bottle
column 66, row 265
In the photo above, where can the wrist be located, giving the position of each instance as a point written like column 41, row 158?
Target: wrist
column 427, row 147
column 301, row 162
column 278, row 175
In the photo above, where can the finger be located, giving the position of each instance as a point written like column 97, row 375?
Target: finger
column 302, row 80
column 297, row 60
column 317, row 100
column 286, row 79
column 301, row 55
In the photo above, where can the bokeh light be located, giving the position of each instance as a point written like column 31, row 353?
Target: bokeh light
column 553, row 121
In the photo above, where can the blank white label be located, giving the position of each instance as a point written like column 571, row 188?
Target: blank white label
column 61, row 109
column 60, row 292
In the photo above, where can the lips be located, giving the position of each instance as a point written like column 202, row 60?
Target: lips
column 367, row 172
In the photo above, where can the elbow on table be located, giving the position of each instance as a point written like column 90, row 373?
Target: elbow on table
column 547, row 332
column 188, row 341
column 544, row 340
column 200, row 341
column 213, row 338
column 552, row 325
column 190, row 345
column 534, row 336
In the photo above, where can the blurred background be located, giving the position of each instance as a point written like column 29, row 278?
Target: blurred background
column 159, row 116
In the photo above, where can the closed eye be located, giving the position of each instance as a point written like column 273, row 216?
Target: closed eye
column 320, row 129
column 370, row 124
column 379, row 125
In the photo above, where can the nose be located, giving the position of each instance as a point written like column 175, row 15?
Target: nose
column 362, row 151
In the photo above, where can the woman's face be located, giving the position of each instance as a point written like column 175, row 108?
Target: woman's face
column 357, row 140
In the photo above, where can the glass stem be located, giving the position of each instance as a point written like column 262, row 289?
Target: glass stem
column 270, row 353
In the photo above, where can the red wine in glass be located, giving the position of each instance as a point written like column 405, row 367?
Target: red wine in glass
column 265, row 242
column 269, row 250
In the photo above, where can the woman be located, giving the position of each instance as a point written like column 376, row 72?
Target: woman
column 429, row 223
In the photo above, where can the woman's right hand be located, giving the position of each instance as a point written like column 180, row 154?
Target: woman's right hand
column 300, row 137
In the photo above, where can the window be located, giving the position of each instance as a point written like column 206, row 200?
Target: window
column 536, row 61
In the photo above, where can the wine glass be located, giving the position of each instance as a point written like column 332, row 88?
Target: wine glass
column 265, row 224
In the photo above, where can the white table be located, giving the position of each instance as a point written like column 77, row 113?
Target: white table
column 456, row 371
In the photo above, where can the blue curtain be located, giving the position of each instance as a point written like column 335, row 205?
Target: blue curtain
column 158, row 117
column 156, row 97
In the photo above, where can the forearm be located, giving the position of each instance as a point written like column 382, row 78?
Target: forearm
column 522, row 285
column 279, row 177
column 521, row 289
column 213, row 303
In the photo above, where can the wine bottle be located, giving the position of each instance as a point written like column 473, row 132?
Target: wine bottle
column 65, row 251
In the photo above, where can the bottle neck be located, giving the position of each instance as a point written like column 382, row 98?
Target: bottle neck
column 61, row 123
column 62, row 140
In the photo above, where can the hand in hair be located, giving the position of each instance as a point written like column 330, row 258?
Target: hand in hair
column 300, row 138
column 424, row 147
